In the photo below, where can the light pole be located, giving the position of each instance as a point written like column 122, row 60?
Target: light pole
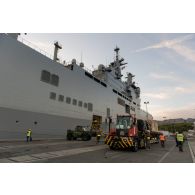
column 146, row 108
column 194, row 122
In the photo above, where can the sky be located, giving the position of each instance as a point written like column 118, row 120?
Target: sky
column 163, row 64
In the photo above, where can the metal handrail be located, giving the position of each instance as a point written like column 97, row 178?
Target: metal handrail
column 35, row 47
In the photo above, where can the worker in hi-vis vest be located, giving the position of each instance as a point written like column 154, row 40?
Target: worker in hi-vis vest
column 98, row 136
column 29, row 135
column 148, row 137
column 162, row 140
column 180, row 140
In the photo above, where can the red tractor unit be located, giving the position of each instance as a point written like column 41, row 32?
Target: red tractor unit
column 128, row 134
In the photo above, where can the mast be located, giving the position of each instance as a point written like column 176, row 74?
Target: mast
column 118, row 64
column 56, row 49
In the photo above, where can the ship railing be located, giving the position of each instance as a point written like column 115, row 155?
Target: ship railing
column 31, row 45
column 35, row 47
column 78, row 64
column 88, row 70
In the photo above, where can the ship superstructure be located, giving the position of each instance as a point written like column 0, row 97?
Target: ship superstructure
column 50, row 97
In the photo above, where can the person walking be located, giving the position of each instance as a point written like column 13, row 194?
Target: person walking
column 29, row 135
column 162, row 140
column 180, row 140
column 98, row 136
column 148, row 145
column 176, row 139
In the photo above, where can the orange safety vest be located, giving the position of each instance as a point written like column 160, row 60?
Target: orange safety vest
column 162, row 138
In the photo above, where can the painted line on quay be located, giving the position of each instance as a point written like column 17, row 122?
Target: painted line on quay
column 51, row 155
column 166, row 154
column 191, row 152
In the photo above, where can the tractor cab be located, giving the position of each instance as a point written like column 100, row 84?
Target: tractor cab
column 125, row 126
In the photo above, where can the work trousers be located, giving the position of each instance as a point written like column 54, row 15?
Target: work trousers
column 28, row 138
column 148, row 145
column 176, row 142
column 162, row 143
column 180, row 145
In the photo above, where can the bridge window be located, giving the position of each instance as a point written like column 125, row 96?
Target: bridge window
column 80, row 103
column 127, row 108
column 85, row 105
column 68, row 100
column 54, row 79
column 74, row 102
column 52, row 95
column 45, row 76
column 121, row 102
column 61, row 98
column 90, row 107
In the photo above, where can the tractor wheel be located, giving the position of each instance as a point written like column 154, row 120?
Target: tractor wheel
column 89, row 137
column 85, row 137
column 69, row 137
column 111, row 147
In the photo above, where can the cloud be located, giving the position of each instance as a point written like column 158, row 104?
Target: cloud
column 165, row 93
column 167, row 43
column 184, row 90
column 185, row 52
column 171, row 76
column 187, row 111
column 167, row 76
column 175, row 45
column 160, row 96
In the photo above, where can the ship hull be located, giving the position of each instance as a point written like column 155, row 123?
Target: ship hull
column 14, row 124
column 26, row 100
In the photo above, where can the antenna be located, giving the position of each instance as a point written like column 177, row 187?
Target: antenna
column 81, row 56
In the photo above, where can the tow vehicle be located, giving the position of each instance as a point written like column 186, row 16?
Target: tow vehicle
column 130, row 134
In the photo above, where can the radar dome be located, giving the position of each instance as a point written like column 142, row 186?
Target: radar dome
column 82, row 64
column 74, row 61
column 101, row 67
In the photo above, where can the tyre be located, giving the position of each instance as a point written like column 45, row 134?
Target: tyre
column 112, row 148
column 135, row 147
column 86, row 137
column 69, row 137
column 89, row 137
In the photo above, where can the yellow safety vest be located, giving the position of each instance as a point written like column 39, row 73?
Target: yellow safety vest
column 28, row 133
column 180, row 137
